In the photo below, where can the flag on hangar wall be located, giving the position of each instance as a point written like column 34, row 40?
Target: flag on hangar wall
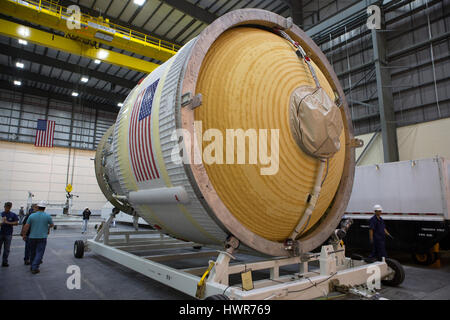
column 45, row 132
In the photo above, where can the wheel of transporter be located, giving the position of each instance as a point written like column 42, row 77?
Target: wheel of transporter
column 55, row 227
column 398, row 276
column 78, row 249
column 217, row 297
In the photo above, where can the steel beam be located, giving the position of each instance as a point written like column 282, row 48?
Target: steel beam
column 15, row 53
column 94, row 29
column 340, row 17
column 385, row 96
column 192, row 10
column 42, row 38
column 110, row 96
column 44, row 93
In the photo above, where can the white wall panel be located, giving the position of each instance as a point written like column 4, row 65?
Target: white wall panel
column 43, row 171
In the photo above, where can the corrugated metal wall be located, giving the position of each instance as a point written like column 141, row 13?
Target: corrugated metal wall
column 76, row 125
column 418, row 46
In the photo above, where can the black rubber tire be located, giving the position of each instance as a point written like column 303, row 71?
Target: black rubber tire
column 424, row 259
column 78, row 249
column 55, row 227
column 356, row 256
column 217, row 297
column 399, row 275
column 197, row 247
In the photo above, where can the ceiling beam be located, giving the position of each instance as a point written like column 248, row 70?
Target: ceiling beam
column 117, row 21
column 27, row 75
column 46, row 39
column 16, row 53
column 192, row 10
column 7, row 85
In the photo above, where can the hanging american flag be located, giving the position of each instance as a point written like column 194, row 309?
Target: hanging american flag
column 45, row 132
column 140, row 143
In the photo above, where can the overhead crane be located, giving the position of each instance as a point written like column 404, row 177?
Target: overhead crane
column 83, row 34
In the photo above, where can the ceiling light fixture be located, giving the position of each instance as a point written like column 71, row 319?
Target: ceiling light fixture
column 139, row 2
column 17, row 83
column 24, row 42
column 74, row 94
column 120, row 104
column 84, row 79
column 20, row 65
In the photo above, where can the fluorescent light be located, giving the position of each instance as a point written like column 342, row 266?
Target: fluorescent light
column 20, row 65
column 102, row 54
column 120, row 104
column 139, row 2
column 24, row 42
column 23, row 31
column 84, row 79
column 74, row 94
column 17, row 83
column 96, row 61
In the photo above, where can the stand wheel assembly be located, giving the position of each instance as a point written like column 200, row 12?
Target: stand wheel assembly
column 78, row 249
column 217, row 297
column 398, row 276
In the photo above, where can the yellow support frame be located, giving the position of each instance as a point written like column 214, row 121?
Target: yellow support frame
column 14, row 30
column 55, row 16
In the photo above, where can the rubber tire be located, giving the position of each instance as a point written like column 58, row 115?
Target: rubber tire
column 431, row 258
column 54, row 227
column 197, row 247
column 399, row 275
column 78, row 249
column 217, row 297
column 356, row 256
column 95, row 227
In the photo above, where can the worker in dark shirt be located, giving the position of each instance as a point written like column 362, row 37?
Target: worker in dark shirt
column 25, row 237
column 86, row 215
column 9, row 219
column 377, row 234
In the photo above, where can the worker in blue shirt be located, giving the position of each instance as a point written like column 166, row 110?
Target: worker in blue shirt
column 39, row 224
column 9, row 219
column 377, row 234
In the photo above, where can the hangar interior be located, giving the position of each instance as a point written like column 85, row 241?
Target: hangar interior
column 395, row 80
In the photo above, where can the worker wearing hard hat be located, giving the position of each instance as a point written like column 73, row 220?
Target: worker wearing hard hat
column 377, row 234
column 39, row 224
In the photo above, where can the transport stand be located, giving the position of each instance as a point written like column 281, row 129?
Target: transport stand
column 337, row 273
column 71, row 221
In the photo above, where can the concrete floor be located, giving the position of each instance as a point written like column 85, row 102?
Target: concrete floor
column 104, row 279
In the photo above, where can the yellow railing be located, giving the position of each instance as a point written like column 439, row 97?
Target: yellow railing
column 55, row 9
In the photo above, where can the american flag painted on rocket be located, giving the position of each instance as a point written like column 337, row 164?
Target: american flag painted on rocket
column 140, row 142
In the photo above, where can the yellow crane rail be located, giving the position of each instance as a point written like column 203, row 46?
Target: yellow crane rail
column 14, row 30
column 52, row 15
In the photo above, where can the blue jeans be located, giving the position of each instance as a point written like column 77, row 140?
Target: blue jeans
column 37, row 248
column 5, row 242
column 27, row 250
column 85, row 225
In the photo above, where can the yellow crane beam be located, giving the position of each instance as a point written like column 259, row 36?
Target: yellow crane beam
column 80, row 25
column 14, row 30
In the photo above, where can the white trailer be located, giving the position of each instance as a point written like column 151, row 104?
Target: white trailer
column 415, row 196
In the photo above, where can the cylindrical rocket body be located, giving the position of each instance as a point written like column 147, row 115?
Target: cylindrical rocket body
column 203, row 148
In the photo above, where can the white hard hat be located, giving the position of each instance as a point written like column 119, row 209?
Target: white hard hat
column 377, row 207
column 42, row 204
